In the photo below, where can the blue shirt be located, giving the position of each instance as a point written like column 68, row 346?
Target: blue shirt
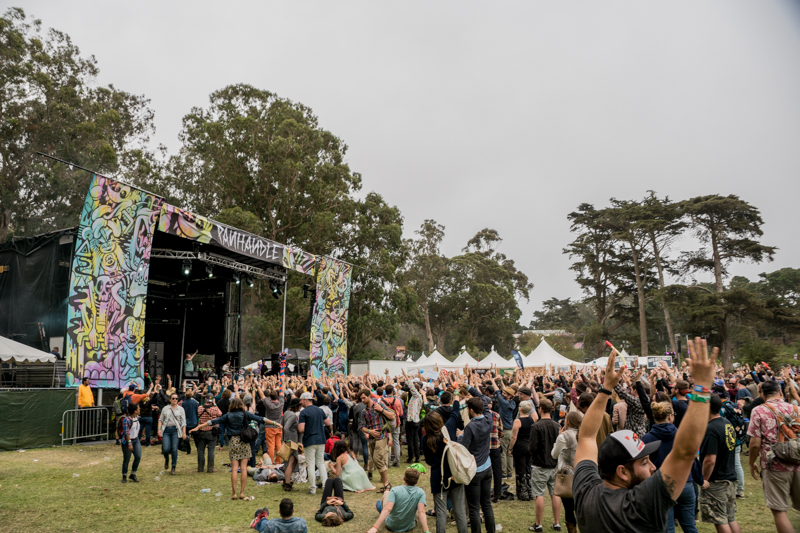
column 741, row 394
column 294, row 524
column 505, row 408
column 314, row 431
column 403, row 515
column 190, row 406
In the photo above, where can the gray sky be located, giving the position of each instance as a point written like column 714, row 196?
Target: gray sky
column 495, row 114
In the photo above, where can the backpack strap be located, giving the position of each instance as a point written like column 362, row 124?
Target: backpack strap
column 778, row 419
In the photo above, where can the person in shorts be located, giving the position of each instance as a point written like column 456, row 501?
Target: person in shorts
column 543, row 475
column 781, row 481
column 717, row 455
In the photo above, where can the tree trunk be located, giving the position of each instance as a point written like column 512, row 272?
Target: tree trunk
column 640, row 292
column 667, row 318
column 727, row 347
column 428, row 332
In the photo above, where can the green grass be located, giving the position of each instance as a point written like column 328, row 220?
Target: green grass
column 39, row 493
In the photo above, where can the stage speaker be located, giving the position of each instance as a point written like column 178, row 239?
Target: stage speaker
column 231, row 337
column 155, row 359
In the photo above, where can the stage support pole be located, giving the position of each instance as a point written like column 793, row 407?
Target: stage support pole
column 183, row 340
column 283, row 329
column 239, row 328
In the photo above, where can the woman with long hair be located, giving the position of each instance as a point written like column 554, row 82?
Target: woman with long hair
column 332, row 509
column 240, row 452
column 564, row 450
column 518, row 448
column 129, row 436
column 345, row 466
column 171, row 427
column 442, row 484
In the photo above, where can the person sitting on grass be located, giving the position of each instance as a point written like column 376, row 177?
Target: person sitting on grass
column 400, row 506
column 285, row 524
column 332, row 509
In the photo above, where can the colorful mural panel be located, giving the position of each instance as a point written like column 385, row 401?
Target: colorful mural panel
column 329, row 323
column 108, row 291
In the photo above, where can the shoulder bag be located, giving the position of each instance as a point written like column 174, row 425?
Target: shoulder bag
column 248, row 433
column 563, row 485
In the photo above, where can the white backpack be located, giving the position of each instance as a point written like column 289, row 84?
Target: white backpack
column 462, row 462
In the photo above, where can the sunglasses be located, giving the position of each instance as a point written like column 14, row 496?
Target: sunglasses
column 174, row 398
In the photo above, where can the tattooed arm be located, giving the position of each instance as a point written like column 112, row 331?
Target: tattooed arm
column 678, row 464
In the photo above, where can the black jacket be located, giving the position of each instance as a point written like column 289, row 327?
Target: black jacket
column 543, row 437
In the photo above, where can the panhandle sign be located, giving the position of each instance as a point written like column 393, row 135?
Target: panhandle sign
column 655, row 361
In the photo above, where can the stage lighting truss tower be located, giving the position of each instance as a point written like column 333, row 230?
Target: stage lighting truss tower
column 222, row 261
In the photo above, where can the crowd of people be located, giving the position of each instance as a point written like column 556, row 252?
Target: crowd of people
column 620, row 449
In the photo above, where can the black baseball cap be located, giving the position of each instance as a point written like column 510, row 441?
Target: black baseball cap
column 622, row 447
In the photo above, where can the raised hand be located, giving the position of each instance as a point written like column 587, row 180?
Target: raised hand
column 701, row 365
column 612, row 376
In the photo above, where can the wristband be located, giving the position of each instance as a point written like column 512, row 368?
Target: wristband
column 604, row 391
column 700, row 388
column 698, row 398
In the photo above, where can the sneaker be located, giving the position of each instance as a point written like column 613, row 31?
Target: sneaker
column 557, row 527
column 740, row 496
column 124, row 478
column 312, row 491
column 134, row 478
column 369, row 475
column 536, row 527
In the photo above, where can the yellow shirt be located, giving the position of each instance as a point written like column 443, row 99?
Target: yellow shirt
column 85, row 397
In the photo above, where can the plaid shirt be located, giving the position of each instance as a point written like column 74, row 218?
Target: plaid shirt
column 371, row 419
column 208, row 413
column 497, row 431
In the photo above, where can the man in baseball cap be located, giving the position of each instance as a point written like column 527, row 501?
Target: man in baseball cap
column 615, row 486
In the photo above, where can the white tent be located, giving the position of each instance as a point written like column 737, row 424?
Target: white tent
column 495, row 358
column 421, row 361
column 22, row 353
column 465, row 359
column 545, row 355
column 437, row 359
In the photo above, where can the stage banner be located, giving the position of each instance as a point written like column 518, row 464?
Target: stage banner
column 518, row 359
column 177, row 221
column 108, row 288
column 329, row 322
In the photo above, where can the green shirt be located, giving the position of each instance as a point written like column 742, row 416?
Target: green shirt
column 403, row 515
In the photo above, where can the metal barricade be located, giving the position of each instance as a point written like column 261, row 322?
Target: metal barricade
column 84, row 424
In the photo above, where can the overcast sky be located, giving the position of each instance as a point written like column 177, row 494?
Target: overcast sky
column 504, row 115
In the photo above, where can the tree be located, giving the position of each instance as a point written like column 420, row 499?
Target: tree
column 729, row 229
column 625, row 218
column 267, row 155
column 427, row 271
column 557, row 314
column 48, row 103
column 484, row 288
column 602, row 271
column 664, row 222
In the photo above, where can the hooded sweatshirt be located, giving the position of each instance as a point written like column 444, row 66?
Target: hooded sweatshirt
column 666, row 434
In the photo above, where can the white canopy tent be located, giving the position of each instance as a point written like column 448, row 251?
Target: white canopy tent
column 465, row 359
column 22, row 353
column 421, row 361
column 545, row 356
column 495, row 358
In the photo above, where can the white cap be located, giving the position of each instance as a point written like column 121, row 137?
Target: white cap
column 306, row 396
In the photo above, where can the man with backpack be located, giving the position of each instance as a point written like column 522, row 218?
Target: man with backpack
column 733, row 414
column 393, row 402
column 780, row 479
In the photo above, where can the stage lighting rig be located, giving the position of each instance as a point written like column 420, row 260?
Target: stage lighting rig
column 187, row 267
column 237, row 277
column 248, row 280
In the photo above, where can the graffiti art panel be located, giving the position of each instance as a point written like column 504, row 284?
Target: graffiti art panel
column 329, row 323
column 108, row 290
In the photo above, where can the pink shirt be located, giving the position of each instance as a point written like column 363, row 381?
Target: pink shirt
column 764, row 425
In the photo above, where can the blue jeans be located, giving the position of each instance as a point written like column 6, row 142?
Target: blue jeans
column 221, row 434
column 169, row 443
column 364, row 448
column 126, row 456
column 684, row 511
column 147, row 424
column 739, row 471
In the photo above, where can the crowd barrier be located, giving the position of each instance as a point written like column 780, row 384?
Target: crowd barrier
column 84, row 423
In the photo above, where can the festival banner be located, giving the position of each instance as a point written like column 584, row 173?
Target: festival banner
column 654, row 361
column 518, row 359
column 177, row 221
column 329, row 322
column 108, row 288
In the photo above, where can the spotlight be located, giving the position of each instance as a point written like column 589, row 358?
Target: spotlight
column 276, row 288
column 187, row 267
column 248, row 280
column 237, row 277
column 210, row 271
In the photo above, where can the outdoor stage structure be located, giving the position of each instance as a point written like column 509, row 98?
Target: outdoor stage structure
column 142, row 270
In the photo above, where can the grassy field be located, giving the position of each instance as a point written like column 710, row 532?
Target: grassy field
column 38, row 492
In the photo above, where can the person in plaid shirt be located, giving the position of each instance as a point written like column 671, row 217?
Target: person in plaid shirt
column 129, row 441
column 205, row 438
column 377, row 432
column 496, row 451
column 781, row 481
